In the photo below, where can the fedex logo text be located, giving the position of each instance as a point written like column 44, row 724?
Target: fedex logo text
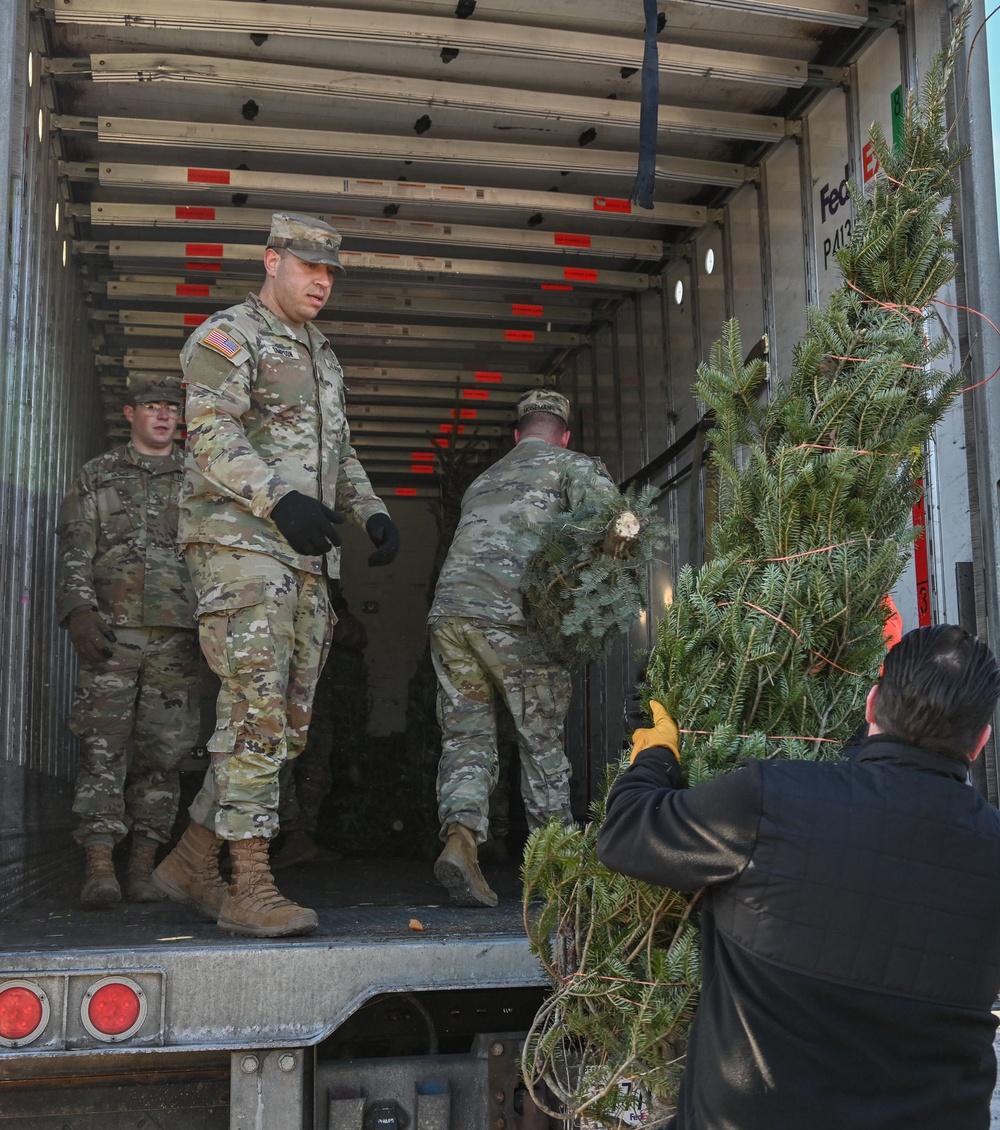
column 831, row 199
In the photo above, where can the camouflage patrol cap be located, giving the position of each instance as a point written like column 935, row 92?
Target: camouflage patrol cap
column 307, row 237
column 148, row 388
column 544, row 400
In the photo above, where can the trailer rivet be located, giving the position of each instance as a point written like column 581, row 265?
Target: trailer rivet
column 498, row 1097
column 286, row 1061
column 496, row 1049
column 249, row 1064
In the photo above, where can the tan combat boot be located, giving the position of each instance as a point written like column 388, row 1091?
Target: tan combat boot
column 253, row 904
column 457, row 868
column 190, row 873
column 138, row 878
column 100, row 887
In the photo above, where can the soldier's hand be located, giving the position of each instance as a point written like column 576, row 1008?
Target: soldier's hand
column 663, row 732
column 90, row 635
column 306, row 524
column 385, row 537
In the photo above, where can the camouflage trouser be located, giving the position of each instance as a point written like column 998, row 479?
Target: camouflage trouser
column 473, row 659
column 306, row 781
column 144, row 695
column 265, row 630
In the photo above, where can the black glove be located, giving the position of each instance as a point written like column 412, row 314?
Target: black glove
column 88, row 630
column 306, row 524
column 382, row 530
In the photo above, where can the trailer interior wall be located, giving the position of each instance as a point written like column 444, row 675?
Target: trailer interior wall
column 51, row 420
column 754, row 239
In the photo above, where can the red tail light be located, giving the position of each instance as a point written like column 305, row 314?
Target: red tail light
column 24, row 1012
column 113, row 1009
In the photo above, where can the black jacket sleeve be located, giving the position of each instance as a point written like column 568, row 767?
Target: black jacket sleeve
column 680, row 838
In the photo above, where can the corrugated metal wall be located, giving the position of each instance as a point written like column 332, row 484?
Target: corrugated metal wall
column 624, row 391
column 632, row 393
column 50, row 423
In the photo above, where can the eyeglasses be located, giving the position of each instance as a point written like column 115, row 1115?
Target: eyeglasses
column 155, row 407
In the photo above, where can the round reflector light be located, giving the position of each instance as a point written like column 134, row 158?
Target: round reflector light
column 24, row 1012
column 113, row 1009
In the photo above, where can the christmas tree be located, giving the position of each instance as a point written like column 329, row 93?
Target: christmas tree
column 584, row 585
column 767, row 650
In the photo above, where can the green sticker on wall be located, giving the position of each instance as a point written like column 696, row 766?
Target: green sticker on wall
column 898, row 105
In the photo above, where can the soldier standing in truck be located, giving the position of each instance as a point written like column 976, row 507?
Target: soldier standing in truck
column 270, row 468
column 125, row 597
column 480, row 644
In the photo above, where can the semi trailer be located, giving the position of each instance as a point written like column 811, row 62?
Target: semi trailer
column 478, row 157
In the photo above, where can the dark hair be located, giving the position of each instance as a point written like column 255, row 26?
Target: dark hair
column 938, row 690
column 545, row 424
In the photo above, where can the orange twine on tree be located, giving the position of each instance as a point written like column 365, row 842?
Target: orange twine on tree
column 979, row 314
column 785, row 624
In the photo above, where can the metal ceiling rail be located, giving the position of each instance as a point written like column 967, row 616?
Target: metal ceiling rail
column 168, row 361
column 535, row 44
column 362, row 392
column 371, row 261
column 391, row 460
column 374, row 227
column 489, row 377
column 399, row 469
column 160, row 362
column 488, row 413
column 363, row 442
column 393, row 334
column 228, row 294
column 513, row 372
column 356, row 347
column 365, row 376
column 249, row 276
column 839, row 13
column 282, row 78
column 300, row 185
column 433, row 427
column 410, row 375
column 216, row 136
column 443, row 430
column 441, row 298
column 408, row 491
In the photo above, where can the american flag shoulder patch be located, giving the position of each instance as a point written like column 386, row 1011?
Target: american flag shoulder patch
column 222, row 343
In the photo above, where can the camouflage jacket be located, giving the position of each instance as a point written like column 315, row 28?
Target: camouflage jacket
column 118, row 547
column 265, row 415
column 481, row 576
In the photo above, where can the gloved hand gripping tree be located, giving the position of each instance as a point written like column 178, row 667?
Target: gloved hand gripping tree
column 769, row 648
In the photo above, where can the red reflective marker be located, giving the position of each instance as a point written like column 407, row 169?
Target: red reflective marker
column 113, row 1009
column 24, row 1012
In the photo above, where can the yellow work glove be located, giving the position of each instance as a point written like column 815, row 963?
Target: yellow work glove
column 663, row 732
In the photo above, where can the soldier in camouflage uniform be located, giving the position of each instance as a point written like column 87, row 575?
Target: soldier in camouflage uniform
column 269, row 457
column 125, row 597
column 480, row 645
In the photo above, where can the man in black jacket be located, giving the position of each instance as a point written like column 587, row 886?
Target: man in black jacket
column 851, row 914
